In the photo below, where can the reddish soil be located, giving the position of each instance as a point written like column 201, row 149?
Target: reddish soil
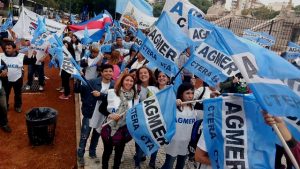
column 16, row 152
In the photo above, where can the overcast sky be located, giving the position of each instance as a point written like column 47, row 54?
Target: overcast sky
column 295, row 2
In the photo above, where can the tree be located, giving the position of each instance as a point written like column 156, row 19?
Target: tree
column 202, row 4
column 157, row 8
column 263, row 13
column 297, row 9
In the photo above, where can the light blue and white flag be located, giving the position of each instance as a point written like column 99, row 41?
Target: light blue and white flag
column 261, row 38
column 179, row 10
column 236, row 135
column 264, row 72
column 152, row 122
column 211, row 62
column 139, row 40
column 64, row 57
column 164, row 44
column 86, row 40
column 39, row 34
column 199, row 29
column 57, row 18
column 8, row 23
column 140, row 4
column 293, row 51
column 108, row 35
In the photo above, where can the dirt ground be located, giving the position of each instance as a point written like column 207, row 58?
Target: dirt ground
column 15, row 149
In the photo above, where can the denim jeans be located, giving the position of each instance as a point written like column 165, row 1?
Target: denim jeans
column 170, row 162
column 84, row 135
column 139, row 154
column 3, row 108
column 39, row 69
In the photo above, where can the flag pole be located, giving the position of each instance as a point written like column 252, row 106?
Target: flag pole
column 107, row 123
column 285, row 146
column 193, row 101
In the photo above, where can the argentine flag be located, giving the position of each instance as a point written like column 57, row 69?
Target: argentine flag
column 152, row 123
column 140, row 4
column 264, row 71
column 236, row 135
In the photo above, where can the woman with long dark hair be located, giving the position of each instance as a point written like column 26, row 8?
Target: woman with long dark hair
column 178, row 147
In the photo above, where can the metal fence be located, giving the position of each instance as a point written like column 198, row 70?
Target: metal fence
column 284, row 30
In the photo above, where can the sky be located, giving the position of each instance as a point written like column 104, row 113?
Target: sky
column 266, row 2
column 295, row 2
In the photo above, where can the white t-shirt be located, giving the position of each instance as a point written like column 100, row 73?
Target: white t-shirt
column 105, row 87
column 206, row 95
column 14, row 65
column 201, row 144
column 91, row 69
column 78, row 51
column 184, row 125
column 137, row 64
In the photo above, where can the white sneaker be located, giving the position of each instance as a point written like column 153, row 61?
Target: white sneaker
column 41, row 88
column 27, row 87
column 36, row 78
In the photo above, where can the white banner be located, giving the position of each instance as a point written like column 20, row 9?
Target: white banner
column 179, row 10
column 27, row 23
column 136, row 18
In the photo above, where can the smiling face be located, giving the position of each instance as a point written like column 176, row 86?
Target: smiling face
column 144, row 76
column 162, row 79
column 188, row 95
column 128, row 83
column 107, row 73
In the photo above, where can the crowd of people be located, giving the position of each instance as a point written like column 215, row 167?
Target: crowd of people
column 119, row 77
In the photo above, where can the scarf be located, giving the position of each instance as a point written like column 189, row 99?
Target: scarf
column 123, row 107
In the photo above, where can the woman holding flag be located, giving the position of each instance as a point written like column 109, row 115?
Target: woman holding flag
column 115, row 134
column 145, row 88
column 185, row 118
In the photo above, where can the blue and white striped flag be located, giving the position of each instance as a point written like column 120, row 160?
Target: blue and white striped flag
column 236, row 135
column 293, row 51
column 140, row 4
column 39, row 35
column 164, row 44
column 152, row 122
column 199, row 29
column 264, row 72
column 211, row 62
column 64, row 57
column 8, row 23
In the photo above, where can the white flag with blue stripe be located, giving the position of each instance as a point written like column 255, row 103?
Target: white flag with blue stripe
column 152, row 122
column 264, row 72
column 211, row 62
column 236, row 135
column 164, row 43
column 140, row 4
column 293, row 51
column 261, row 38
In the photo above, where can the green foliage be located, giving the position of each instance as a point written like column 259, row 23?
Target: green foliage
column 157, row 8
column 202, row 4
column 263, row 13
column 297, row 9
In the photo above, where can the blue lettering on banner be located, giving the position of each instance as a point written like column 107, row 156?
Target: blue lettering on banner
column 211, row 122
column 134, row 118
column 147, row 142
column 185, row 121
column 67, row 65
column 177, row 8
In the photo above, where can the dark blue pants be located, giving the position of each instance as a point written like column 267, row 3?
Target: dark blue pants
column 39, row 69
column 170, row 162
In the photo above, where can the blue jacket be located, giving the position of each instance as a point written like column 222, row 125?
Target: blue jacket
column 88, row 100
